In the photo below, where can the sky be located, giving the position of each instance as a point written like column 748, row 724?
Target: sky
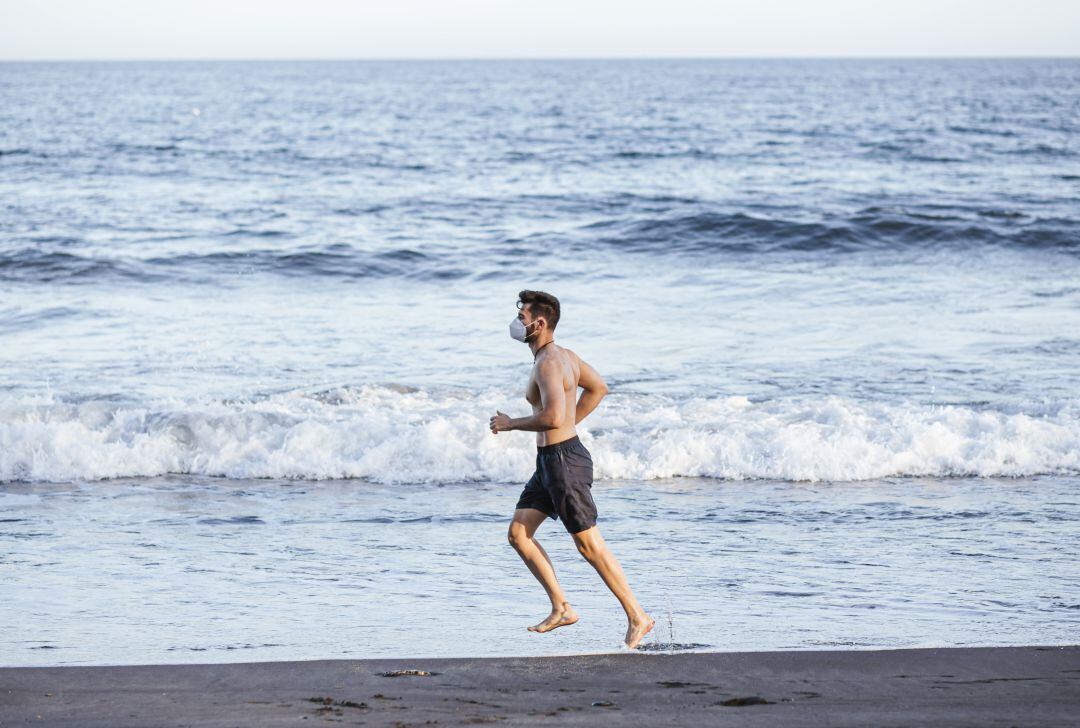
column 256, row 29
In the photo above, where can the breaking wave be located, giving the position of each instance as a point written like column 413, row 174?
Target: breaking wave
column 406, row 435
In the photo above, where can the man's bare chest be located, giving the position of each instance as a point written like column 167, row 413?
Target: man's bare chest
column 532, row 391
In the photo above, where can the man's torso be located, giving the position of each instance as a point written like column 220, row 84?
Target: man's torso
column 571, row 372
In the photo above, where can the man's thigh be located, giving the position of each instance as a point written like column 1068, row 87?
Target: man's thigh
column 529, row 518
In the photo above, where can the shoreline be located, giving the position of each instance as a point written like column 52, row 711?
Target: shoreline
column 1036, row 685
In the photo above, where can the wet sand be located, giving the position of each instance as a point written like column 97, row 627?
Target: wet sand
column 990, row 686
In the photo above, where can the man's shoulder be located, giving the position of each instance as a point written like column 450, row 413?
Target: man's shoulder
column 571, row 353
column 546, row 360
column 549, row 362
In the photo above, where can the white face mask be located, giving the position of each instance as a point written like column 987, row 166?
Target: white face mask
column 518, row 329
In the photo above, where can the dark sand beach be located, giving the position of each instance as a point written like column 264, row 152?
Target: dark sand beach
column 984, row 686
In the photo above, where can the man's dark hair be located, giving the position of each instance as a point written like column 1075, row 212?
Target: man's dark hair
column 541, row 304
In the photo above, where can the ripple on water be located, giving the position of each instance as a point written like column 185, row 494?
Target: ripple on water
column 235, row 520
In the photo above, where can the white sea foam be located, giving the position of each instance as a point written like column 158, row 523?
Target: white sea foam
column 394, row 435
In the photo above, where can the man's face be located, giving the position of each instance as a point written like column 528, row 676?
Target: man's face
column 525, row 317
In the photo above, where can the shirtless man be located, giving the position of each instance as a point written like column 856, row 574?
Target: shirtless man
column 561, row 486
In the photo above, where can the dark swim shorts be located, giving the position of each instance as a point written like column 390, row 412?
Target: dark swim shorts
column 562, row 485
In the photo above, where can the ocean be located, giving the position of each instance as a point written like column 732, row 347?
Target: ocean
column 253, row 322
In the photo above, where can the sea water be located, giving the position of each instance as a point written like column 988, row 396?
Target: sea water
column 253, row 322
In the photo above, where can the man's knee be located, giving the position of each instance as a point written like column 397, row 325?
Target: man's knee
column 517, row 535
column 589, row 544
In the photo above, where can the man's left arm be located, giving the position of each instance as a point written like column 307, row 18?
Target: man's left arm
column 552, row 404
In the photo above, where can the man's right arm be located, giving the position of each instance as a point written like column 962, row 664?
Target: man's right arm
column 594, row 390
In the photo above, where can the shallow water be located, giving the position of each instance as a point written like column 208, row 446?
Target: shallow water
column 203, row 570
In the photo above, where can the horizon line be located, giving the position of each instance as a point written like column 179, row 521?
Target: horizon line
column 315, row 59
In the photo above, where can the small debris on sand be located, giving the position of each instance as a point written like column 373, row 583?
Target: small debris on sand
column 739, row 702
column 328, row 701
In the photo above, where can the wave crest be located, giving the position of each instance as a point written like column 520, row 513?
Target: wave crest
column 399, row 434
column 873, row 228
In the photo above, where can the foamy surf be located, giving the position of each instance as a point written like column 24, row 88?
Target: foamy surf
column 402, row 435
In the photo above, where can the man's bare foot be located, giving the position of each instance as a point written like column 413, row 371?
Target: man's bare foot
column 637, row 629
column 560, row 617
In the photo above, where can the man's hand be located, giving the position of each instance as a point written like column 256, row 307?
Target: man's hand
column 499, row 423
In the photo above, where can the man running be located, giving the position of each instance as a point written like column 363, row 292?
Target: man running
column 561, row 486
